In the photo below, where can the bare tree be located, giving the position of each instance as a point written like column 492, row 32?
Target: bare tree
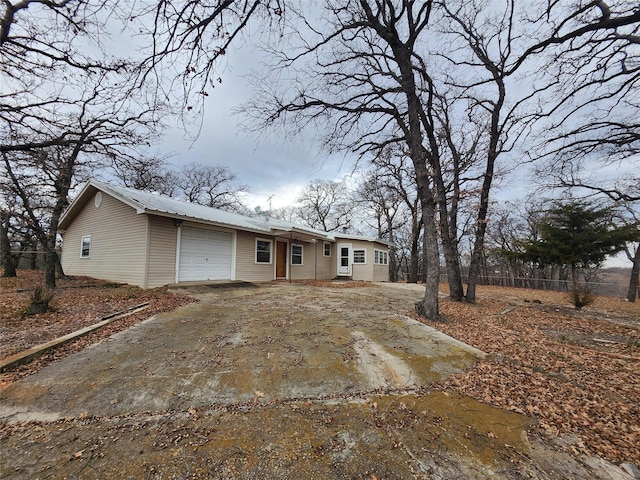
column 633, row 254
column 631, row 216
column 325, row 205
column 189, row 39
column 380, row 198
column 395, row 172
column 102, row 127
column 381, row 73
column 64, row 103
column 593, row 63
column 150, row 173
column 6, row 260
column 47, row 50
column 213, row 186
column 361, row 77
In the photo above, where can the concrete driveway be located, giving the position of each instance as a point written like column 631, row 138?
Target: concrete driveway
column 275, row 342
column 274, row 381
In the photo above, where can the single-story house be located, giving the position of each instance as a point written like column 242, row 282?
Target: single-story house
column 141, row 238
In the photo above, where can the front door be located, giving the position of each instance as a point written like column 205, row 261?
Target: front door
column 345, row 259
column 281, row 260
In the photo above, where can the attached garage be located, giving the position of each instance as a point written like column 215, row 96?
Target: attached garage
column 204, row 254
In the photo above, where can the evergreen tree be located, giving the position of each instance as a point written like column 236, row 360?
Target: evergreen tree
column 577, row 235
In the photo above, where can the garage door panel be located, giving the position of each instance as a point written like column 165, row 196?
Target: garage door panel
column 205, row 255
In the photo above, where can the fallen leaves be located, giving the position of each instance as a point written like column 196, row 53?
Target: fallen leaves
column 79, row 302
column 545, row 363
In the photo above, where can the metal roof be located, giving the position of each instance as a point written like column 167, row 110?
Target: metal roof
column 155, row 204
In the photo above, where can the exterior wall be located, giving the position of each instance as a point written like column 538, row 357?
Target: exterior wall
column 246, row 267
column 363, row 271
column 369, row 271
column 141, row 250
column 333, row 261
column 326, row 265
column 380, row 272
column 162, row 252
column 313, row 264
column 118, row 242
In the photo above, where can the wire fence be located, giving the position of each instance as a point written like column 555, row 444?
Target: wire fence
column 556, row 285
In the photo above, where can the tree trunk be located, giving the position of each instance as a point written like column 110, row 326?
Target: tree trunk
column 59, row 269
column 414, row 260
column 428, row 306
column 8, row 266
column 393, row 262
column 452, row 261
column 50, row 260
column 634, row 284
column 448, row 231
column 33, row 256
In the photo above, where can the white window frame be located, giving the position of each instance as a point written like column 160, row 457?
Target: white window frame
column 82, row 255
column 301, row 247
column 381, row 257
column 364, row 254
column 324, row 249
column 255, row 257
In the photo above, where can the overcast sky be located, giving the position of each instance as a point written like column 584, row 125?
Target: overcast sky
column 269, row 164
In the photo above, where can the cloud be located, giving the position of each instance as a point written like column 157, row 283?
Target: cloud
column 270, row 163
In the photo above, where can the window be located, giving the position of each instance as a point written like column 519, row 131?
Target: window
column 381, row 257
column 296, row 254
column 263, row 251
column 359, row 256
column 85, row 248
column 327, row 249
column 344, row 256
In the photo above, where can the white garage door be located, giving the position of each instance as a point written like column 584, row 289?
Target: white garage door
column 204, row 255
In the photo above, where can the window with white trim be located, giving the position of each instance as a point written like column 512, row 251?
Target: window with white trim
column 359, row 256
column 380, row 257
column 296, row 254
column 85, row 246
column 327, row 249
column 263, row 250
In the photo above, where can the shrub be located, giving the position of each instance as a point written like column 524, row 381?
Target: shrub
column 581, row 296
column 39, row 300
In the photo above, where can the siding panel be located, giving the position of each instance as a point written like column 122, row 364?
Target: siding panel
column 118, row 242
column 246, row 268
column 162, row 251
column 363, row 271
column 325, row 264
column 308, row 268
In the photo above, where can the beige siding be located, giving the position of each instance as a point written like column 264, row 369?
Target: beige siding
column 162, row 252
column 118, row 242
column 363, row 271
column 326, row 265
column 307, row 270
column 246, row 267
column 369, row 271
column 380, row 272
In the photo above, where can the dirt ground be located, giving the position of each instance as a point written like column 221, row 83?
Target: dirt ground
column 409, row 419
